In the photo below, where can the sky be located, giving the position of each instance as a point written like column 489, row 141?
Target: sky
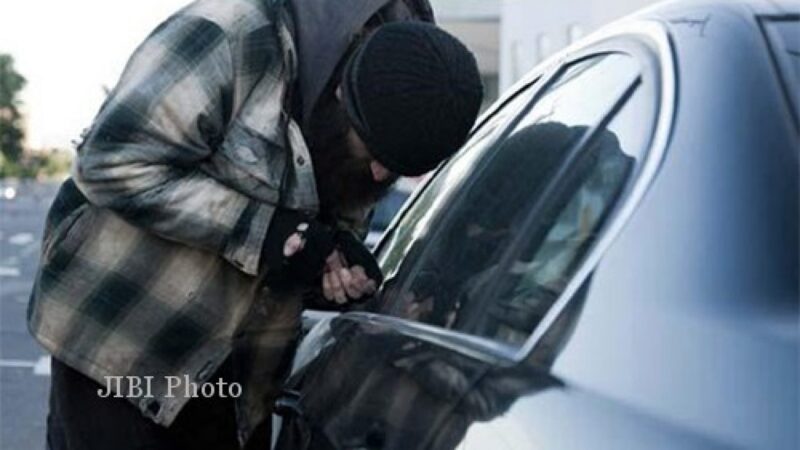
column 69, row 51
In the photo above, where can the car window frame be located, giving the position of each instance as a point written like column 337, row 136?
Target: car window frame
column 572, row 153
column 650, row 43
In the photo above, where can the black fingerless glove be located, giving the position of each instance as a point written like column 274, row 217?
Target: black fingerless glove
column 357, row 254
column 306, row 265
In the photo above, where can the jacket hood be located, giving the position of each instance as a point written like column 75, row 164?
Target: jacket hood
column 324, row 29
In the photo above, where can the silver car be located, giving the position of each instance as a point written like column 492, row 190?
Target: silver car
column 610, row 262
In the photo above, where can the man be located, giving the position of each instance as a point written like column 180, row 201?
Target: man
column 220, row 183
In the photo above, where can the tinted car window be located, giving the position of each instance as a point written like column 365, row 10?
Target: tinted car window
column 507, row 240
column 416, row 221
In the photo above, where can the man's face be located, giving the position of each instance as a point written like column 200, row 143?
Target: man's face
column 347, row 175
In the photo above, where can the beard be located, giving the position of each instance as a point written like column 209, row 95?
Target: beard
column 344, row 180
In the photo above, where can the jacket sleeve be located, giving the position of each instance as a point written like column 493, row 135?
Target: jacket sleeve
column 142, row 155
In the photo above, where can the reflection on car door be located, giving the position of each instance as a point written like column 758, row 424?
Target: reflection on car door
column 374, row 388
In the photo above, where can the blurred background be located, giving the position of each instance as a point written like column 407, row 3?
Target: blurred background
column 58, row 61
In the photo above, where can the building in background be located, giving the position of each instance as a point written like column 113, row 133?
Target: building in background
column 509, row 37
column 532, row 30
column 477, row 24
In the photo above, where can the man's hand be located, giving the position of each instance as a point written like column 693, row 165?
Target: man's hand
column 351, row 273
column 300, row 250
column 341, row 283
column 295, row 249
column 355, row 253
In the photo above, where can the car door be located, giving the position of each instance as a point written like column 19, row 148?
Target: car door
column 493, row 254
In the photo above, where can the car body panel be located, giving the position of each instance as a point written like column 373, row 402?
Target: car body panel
column 716, row 293
column 393, row 389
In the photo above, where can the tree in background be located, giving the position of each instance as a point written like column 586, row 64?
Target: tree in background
column 11, row 134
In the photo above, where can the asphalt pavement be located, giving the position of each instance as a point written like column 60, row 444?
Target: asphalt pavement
column 24, row 365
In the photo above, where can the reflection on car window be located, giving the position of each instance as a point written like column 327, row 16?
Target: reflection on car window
column 532, row 205
column 414, row 224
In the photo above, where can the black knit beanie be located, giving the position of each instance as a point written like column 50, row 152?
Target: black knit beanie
column 412, row 92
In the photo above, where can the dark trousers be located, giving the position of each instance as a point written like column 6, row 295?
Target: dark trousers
column 79, row 419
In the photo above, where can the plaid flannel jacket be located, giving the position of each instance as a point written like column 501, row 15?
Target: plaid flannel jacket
column 150, row 264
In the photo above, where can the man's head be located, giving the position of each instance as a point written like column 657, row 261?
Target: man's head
column 406, row 100
column 412, row 93
column 324, row 31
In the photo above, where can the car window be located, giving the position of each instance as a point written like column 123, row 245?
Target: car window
column 416, row 221
column 489, row 253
